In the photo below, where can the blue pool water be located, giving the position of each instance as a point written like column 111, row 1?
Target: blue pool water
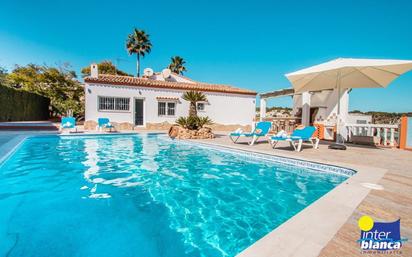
column 145, row 196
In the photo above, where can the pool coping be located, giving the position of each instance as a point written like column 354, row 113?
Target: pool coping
column 304, row 234
column 289, row 161
column 309, row 231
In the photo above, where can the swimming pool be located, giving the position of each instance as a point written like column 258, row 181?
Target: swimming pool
column 147, row 195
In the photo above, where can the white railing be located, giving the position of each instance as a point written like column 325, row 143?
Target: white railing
column 386, row 134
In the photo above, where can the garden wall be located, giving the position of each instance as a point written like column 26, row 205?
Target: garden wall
column 18, row 105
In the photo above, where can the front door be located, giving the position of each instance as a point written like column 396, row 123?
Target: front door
column 138, row 112
column 313, row 112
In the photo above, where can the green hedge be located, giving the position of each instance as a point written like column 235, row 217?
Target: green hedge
column 18, row 105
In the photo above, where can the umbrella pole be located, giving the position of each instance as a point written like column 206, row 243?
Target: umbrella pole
column 338, row 112
column 338, row 145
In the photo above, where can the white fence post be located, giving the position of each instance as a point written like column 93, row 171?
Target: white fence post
column 392, row 139
column 385, row 136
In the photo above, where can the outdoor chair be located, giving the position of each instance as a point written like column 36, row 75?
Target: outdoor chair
column 297, row 138
column 104, row 123
column 262, row 129
column 68, row 123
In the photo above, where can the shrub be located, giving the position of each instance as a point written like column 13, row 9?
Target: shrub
column 192, row 122
column 202, row 121
column 182, row 121
column 19, row 105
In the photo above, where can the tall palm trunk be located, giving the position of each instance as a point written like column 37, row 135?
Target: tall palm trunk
column 192, row 109
column 138, row 65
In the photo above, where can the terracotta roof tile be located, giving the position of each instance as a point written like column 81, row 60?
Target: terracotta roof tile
column 144, row 82
column 167, row 98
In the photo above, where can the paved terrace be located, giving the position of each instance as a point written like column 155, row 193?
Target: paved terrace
column 394, row 202
column 390, row 204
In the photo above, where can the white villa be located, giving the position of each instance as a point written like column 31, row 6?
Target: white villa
column 155, row 102
column 156, row 98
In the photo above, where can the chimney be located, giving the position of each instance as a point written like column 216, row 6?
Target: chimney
column 94, row 71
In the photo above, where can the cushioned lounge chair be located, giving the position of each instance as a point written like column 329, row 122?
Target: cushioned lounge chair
column 68, row 123
column 103, row 123
column 262, row 129
column 297, row 138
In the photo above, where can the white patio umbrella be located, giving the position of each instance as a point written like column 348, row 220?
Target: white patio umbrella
column 345, row 73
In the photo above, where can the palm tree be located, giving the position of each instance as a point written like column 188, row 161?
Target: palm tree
column 138, row 43
column 177, row 65
column 193, row 97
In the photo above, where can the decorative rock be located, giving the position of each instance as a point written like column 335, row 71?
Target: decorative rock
column 184, row 133
column 124, row 126
column 90, row 125
column 158, row 126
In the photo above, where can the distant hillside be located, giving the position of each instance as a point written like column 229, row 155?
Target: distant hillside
column 384, row 117
column 276, row 111
column 268, row 109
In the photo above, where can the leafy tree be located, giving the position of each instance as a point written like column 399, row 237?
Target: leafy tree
column 58, row 84
column 177, row 65
column 193, row 97
column 105, row 67
column 138, row 43
column 3, row 76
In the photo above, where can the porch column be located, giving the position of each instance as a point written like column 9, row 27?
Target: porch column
column 262, row 108
column 305, row 108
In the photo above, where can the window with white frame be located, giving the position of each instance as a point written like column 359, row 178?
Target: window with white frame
column 166, row 108
column 106, row 103
column 200, row 106
column 171, row 108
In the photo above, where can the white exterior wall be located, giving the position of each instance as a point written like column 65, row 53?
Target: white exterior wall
column 222, row 108
column 326, row 101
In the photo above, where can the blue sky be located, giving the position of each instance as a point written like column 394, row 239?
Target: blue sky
column 249, row 44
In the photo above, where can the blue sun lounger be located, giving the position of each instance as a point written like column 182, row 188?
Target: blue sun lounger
column 68, row 123
column 104, row 123
column 262, row 129
column 297, row 138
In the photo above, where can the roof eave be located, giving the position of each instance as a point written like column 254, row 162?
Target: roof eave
column 175, row 87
